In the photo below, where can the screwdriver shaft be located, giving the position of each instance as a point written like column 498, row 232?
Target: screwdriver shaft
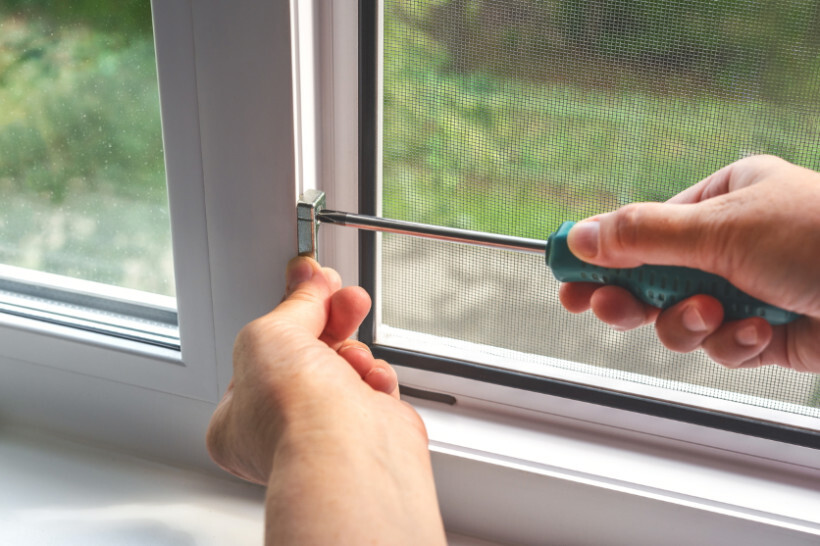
column 465, row 236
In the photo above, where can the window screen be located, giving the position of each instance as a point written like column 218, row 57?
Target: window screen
column 512, row 116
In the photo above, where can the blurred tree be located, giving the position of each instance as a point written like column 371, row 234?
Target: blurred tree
column 129, row 17
column 80, row 102
column 769, row 48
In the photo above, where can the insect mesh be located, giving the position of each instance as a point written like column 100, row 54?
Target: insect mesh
column 512, row 116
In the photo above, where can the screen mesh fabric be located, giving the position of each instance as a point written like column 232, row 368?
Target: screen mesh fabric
column 512, row 116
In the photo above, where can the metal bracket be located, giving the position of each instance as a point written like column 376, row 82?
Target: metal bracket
column 310, row 211
column 307, row 222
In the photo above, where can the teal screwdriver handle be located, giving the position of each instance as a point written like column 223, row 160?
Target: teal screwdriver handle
column 660, row 285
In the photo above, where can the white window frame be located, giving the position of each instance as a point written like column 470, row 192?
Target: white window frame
column 226, row 93
column 511, row 466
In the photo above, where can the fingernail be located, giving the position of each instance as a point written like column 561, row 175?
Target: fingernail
column 298, row 271
column 583, row 239
column 693, row 320
column 355, row 347
column 373, row 373
column 747, row 336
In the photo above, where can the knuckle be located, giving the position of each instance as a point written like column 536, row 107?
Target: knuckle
column 721, row 358
column 249, row 333
column 628, row 221
column 250, row 337
column 716, row 238
column 726, row 353
column 675, row 338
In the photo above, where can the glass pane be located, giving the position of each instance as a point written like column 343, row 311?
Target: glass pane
column 81, row 160
column 513, row 116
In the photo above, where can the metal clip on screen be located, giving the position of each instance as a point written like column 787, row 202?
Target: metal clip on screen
column 307, row 222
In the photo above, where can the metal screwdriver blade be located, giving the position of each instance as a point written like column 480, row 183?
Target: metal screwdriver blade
column 455, row 235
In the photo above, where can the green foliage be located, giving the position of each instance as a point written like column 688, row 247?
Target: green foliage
column 81, row 160
column 477, row 142
column 130, row 18
column 80, row 107
column 733, row 45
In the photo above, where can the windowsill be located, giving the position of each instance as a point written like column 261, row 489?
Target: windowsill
column 537, row 478
column 60, row 492
column 57, row 491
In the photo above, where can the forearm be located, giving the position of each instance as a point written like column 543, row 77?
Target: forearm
column 352, row 485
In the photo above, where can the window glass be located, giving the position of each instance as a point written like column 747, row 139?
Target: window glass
column 513, row 116
column 81, row 158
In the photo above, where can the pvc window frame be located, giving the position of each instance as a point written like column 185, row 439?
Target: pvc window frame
column 227, row 109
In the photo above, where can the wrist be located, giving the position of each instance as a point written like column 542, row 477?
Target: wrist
column 364, row 469
column 326, row 426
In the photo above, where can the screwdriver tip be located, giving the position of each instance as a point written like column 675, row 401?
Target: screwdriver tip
column 332, row 217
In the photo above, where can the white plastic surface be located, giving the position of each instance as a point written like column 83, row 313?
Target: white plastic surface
column 60, row 492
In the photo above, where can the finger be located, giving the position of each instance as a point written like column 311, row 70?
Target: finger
column 375, row 372
column 333, row 278
column 348, row 308
column 383, row 378
column 713, row 185
column 643, row 233
column 358, row 355
column 575, row 296
column 740, row 174
column 620, row 309
column 299, row 270
column 307, row 301
column 795, row 345
column 739, row 343
column 684, row 327
column 697, row 192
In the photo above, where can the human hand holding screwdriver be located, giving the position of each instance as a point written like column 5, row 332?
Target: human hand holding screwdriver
column 317, row 418
column 756, row 223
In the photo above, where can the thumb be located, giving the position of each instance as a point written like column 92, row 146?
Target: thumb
column 647, row 233
column 307, row 296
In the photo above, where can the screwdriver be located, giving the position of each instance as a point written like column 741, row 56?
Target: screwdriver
column 656, row 285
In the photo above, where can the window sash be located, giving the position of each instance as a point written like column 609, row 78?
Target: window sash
column 100, row 308
column 92, row 334
column 370, row 58
column 231, row 184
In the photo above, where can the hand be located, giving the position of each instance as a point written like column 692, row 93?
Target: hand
column 314, row 416
column 755, row 222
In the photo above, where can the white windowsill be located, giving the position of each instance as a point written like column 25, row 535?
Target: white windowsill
column 57, row 491
column 514, row 475
column 60, row 492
